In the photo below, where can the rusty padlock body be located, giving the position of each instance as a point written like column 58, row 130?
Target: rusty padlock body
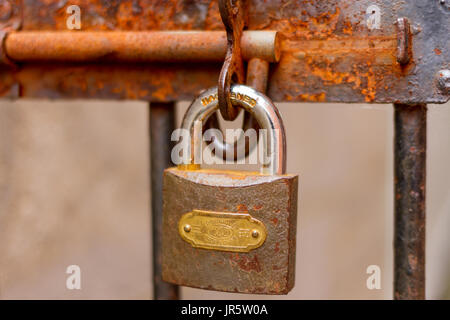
column 232, row 231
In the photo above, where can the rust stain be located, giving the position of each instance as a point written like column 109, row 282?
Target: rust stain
column 163, row 87
column 412, row 260
column 242, row 208
column 370, row 91
column 327, row 72
column 313, row 97
column 348, row 28
column 238, row 177
column 99, row 84
column 308, row 27
column 277, row 267
column 276, row 287
column 246, row 263
column 277, row 247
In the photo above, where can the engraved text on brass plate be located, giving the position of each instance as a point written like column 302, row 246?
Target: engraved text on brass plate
column 235, row 232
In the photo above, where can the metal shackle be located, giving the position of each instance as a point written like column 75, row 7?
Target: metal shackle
column 258, row 105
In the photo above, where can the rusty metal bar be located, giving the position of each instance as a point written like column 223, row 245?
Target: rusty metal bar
column 410, row 176
column 139, row 46
column 162, row 123
column 258, row 74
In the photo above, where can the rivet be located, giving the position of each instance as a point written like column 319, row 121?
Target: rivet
column 187, row 228
column 444, row 81
column 255, row 233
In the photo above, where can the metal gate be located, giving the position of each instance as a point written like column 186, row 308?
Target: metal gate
column 371, row 51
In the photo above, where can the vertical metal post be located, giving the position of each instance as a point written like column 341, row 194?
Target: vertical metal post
column 162, row 122
column 410, row 144
column 258, row 74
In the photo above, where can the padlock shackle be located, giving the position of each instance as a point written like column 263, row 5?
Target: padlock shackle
column 258, row 105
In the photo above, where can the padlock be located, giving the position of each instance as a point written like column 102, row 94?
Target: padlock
column 232, row 231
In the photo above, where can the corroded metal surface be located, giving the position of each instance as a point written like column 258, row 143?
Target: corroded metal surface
column 331, row 51
column 162, row 82
column 268, row 269
column 336, row 51
column 410, row 185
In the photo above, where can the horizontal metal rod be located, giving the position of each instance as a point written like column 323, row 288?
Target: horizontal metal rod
column 139, row 46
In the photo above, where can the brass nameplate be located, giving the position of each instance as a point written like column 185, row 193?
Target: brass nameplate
column 235, row 232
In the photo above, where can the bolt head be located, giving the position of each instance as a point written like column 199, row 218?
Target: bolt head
column 444, row 81
column 445, row 3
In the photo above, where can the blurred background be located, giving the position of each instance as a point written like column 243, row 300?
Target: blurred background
column 74, row 189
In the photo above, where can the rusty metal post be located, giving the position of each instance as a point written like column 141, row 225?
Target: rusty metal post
column 162, row 123
column 409, row 178
column 258, row 74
